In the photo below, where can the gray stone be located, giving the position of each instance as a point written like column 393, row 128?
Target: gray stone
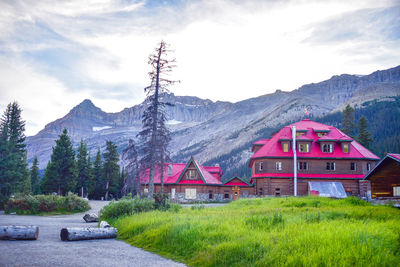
column 91, row 217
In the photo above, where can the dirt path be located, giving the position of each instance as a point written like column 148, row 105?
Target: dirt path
column 49, row 250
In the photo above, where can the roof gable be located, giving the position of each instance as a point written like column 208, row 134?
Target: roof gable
column 237, row 181
column 382, row 163
column 206, row 177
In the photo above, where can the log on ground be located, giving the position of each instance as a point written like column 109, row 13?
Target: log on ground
column 91, row 217
column 75, row 233
column 13, row 232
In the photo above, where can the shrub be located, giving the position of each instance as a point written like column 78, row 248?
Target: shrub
column 126, row 207
column 27, row 204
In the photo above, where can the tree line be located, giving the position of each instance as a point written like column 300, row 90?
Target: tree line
column 102, row 177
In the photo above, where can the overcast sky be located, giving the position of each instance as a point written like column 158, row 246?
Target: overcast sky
column 54, row 54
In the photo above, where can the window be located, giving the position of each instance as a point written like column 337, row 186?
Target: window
column 278, row 165
column 192, row 174
column 327, row 148
column 260, row 191
column 277, row 192
column 285, row 147
column 396, row 191
column 173, row 193
column 368, row 166
column 226, row 195
column 302, row 165
column 190, row 193
column 300, row 133
column 261, row 166
column 353, row 166
column 304, row 148
column 210, row 194
column 346, row 148
column 331, row 166
column 321, row 134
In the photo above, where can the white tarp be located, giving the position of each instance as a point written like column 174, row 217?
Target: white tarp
column 327, row 189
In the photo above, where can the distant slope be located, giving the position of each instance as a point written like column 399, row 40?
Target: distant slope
column 213, row 130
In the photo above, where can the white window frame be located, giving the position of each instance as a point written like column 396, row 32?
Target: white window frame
column 190, row 193
column 329, row 148
column 396, row 191
column 368, row 166
column 304, row 148
column 355, row 166
column 331, row 164
column 192, row 174
column 278, row 165
column 260, row 166
column 301, row 164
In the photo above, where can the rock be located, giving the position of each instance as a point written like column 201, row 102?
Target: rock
column 104, row 224
column 92, row 217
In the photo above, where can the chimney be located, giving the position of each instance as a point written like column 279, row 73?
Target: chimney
column 170, row 169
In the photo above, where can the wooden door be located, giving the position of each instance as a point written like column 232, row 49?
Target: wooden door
column 236, row 192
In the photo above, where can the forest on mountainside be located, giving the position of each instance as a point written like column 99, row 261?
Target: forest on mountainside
column 383, row 124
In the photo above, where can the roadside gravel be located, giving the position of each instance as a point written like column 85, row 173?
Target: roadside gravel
column 49, row 250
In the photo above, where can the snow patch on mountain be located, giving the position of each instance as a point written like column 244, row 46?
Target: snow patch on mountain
column 96, row 128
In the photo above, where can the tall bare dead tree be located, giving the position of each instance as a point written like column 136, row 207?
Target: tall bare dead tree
column 155, row 135
column 130, row 160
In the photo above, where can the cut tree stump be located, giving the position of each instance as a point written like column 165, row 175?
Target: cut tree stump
column 13, row 232
column 92, row 217
column 75, row 234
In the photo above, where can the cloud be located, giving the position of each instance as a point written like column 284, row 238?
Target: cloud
column 225, row 50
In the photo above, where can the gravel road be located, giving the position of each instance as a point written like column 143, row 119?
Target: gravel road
column 49, row 250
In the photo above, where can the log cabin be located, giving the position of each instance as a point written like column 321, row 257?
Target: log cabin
column 187, row 182
column 324, row 154
column 385, row 177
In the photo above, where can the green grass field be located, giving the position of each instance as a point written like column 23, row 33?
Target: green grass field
column 306, row 231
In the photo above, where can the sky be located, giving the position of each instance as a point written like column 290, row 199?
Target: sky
column 55, row 54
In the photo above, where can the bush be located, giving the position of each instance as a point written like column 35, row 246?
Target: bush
column 126, row 207
column 27, row 204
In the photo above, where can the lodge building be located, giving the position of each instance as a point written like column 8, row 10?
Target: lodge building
column 324, row 154
column 185, row 182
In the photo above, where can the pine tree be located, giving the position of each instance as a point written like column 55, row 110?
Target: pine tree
column 130, row 158
column 35, row 177
column 111, row 173
column 83, row 170
column 348, row 121
column 97, row 177
column 13, row 166
column 60, row 173
column 155, row 136
column 364, row 137
column 91, row 183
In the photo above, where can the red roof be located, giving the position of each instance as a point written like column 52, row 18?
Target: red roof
column 273, row 148
column 261, row 142
column 237, row 181
column 395, row 156
column 210, row 175
column 309, row 175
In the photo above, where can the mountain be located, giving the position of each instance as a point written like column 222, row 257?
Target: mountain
column 213, row 131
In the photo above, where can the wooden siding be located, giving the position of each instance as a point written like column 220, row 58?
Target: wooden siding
column 384, row 179
column 314, row 166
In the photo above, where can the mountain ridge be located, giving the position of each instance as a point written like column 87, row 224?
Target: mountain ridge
column 206, row 129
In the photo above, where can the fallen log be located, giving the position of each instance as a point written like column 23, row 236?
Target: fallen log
column 92, row 217
column 13, row 232
column 75, row 234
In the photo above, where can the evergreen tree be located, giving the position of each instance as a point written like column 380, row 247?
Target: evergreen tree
column 155, row 136
column 364, row 137
column 130, row 158
column 83, row 170
column 60, row 173
column 97, row 192
column 91, row 184
column 348, row 121
column 13, row 166
column 111, row 173
column 35, row 177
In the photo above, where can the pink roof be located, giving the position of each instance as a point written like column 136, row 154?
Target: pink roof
column 236, row 181
column 177, row 171
column 273, row 148
column 310, row 175
column 396, row 156
column 261, row 142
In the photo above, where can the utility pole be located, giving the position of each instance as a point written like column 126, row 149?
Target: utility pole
column 294, row 160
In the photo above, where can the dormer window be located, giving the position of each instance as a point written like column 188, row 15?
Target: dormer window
column 346, row 147
column 327, row 148
column 305, row 148
column 285, row 147
column 321, row 134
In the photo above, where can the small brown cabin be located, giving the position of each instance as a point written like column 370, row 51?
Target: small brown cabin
column 385, row 177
